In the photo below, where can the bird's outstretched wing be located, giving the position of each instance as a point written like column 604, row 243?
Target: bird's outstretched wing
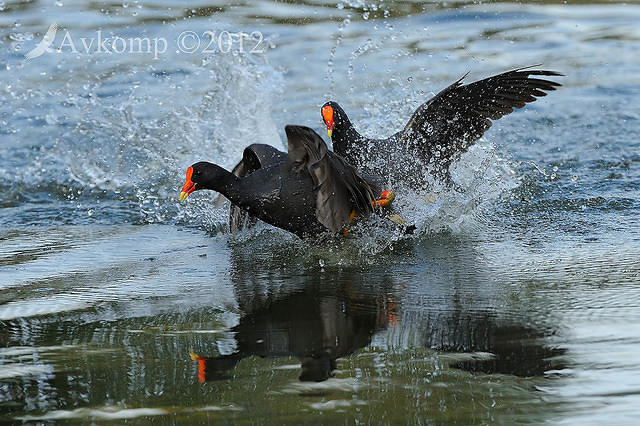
column 450, row 122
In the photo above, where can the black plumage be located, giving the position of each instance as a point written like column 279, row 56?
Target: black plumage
column 307, row 191
column 439, row 130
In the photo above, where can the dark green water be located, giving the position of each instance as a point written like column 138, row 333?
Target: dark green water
column 515, row 301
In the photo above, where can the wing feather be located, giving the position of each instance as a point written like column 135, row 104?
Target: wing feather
column 339, row 188
column 254, row 157
column 459, row 115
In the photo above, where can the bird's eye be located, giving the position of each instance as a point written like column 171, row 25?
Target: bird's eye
column 198, row 172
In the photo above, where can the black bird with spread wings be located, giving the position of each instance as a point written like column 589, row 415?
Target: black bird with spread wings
column 439, row 130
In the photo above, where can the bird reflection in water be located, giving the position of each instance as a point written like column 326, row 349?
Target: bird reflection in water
column 318, row 317
column 316, row 324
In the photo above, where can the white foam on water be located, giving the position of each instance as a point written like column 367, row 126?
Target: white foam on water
column 106, row 413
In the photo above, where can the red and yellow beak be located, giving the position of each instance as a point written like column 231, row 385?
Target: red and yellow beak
column 327, row 116
column 189, row 186
column 202, row 366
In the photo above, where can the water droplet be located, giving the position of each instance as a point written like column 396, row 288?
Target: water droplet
column 90, row 212
column 125, row 4
column 59, row 3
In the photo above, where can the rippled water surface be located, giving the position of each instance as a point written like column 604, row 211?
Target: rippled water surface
column 517, row 300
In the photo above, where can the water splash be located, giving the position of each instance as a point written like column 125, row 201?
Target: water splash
column 114, row 148
column 332, row 56
column 483, row 174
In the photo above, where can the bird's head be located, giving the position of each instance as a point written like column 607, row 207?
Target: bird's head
column 333, row 116
column 201, row 175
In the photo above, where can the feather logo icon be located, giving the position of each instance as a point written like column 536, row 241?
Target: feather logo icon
column 45, row 44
